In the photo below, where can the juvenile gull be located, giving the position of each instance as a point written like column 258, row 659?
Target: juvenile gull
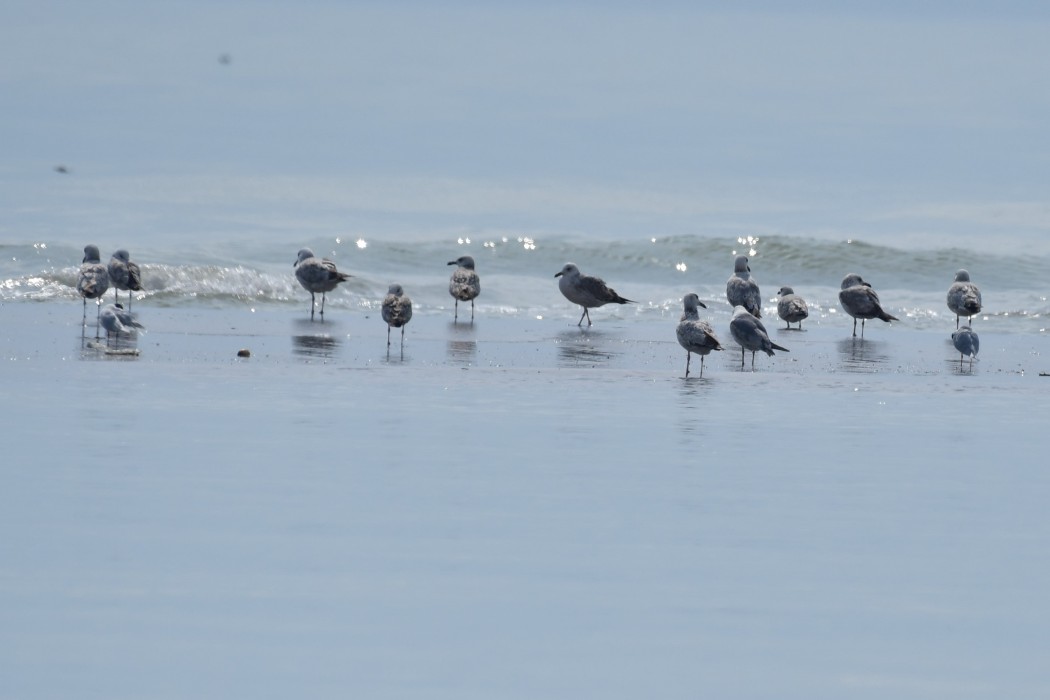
column 317, row 275
column 791, row 307
column 695, row 335
column 588, row 292
column 859, row 300
column 93, row 282
column 464, row 285
column 964, row 298
column 397, row 311
column 751, row 334
column 124, row 274
column 967, row 343
column 741, row 290
column 117, row 321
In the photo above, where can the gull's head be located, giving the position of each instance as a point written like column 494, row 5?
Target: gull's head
column 91, row 254
column 741, row 264
column 739, row 310
column 960, row 276
column 396, row 290
column 853, row 280
column 304, row 253
column 691, row 302
column 570, row 270
column 464, row 261
column 122, row 255
column 784, row 291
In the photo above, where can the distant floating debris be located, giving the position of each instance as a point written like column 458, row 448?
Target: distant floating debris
column 225, row 59
column 62, row 169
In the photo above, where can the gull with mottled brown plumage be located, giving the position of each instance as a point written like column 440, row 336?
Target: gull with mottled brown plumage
column 464, row 285
column 92, row 283
column 742, row 289
column 964, row 298
column 317, row 275
column 397, row 312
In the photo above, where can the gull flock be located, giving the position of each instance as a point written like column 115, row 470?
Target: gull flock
column 696, row 336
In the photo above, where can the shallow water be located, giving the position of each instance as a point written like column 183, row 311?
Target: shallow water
column 518, row 508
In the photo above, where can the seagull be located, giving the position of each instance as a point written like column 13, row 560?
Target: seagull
column 967, row 343
column 741, row 290
column 124, row 274
column 751, row 334
column 464, row 285
column 397, row 312
column 116, row 321
column 588, row 292
column 791, row 307
column 859, row 300
column 695, row 335
column 93, row 282
column 964, row 298
column 317, row 275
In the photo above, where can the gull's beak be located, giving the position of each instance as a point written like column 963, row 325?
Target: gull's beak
column 700, row 303
column 557, row 274
column 451, row 262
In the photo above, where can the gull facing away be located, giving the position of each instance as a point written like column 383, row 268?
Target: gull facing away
column 588, row 292
column 464, row 285
column 117, row 321
column 695, row 335
column 791, row 307
column 741, row 290
column 124, row 274
column 397, row 312
column 859, row 300
column 964, row 298
column 751, row 334
column 967, row 343
column 93, row 282
column 317, row 275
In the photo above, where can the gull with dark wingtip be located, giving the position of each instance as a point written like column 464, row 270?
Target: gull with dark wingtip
column 791, row 307
column 859, row 300
column 749, row 332
column 124, row 274
column 588, row 292
column 317, row 275
column 964, row 298
column 117, row 321
column 694, row 334
column 464, row 285
column 967, row 343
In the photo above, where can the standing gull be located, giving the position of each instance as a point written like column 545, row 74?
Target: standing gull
column 464, row 285
column 93, row 282
column 791, row 307
column 317, row 275
column 751, row 334
column 397, row 311
column 859, row 300
column 117, row 321
column 695, row 335
column 588, row 292
column 967, row 343
column 124, row 274
column 964, row 298
column 741, row 290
